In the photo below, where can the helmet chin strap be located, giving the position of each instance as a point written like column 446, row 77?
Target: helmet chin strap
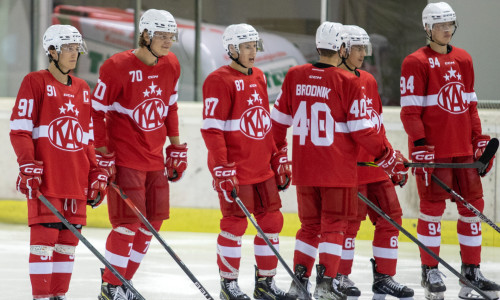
column 56, row 63
column 236, row 60
column 151, row 51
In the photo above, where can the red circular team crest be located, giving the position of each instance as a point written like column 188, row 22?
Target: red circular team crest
column 255, row 123
column 150, row 114
column 66, row 134
column 451, row 98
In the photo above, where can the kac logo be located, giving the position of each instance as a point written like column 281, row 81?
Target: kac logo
column 150, row 114
column 66, row 133
column 451, row 98
column 255, row 123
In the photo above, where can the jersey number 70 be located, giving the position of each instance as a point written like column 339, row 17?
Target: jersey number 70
column 319, row 128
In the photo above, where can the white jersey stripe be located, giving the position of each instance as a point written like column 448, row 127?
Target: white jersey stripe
column 41, row 268
column 173, row 99
column 430, row 241
column 358, row 125
column 21, row 124
column 116, row 260
column 98, row 106
column 389, row 253
column 234, row 252
column 43, row 132
column 471, row 241
column 330, row 248
column 265, row 250
column 63, row 267
column 431, row 100
column 229, row 125
column 305, row 248
column 281, row 118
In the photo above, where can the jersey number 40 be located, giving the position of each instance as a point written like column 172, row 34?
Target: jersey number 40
column 319, row 128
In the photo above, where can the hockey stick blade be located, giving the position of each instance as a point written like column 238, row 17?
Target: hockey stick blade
column 421, row 245
column 151, row 229
column 89, row 245
column 268, row 242
column 480, row 164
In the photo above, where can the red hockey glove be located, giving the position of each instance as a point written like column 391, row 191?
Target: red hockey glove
column 423, row 154
column 282, row 169
column 106, row 161
column 176, row 162
column 98, row 183
column 399, row 179
column 479, row 144
column 30, row 178
column 225, row 180
column 393, row 162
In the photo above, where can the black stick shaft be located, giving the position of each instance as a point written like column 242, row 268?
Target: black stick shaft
column 161, row 240
column 268, row 242
column 465, row 203
column 421, row 245
column 89, row 245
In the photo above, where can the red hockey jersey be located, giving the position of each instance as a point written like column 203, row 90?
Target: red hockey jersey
column 139, row 104
column 329, row 116
column 51, row 123
column 438, row 101
column 369, row 89
column 237, row 124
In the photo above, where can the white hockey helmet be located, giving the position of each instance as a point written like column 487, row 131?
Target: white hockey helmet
column 58, row 35
column 331, row 36
column 240, row 33
column 358, row 36
column 155, row 20
column 440, row 12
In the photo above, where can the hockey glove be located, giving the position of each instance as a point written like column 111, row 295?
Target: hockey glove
column 282, row 168
column 393, row 162
column 225, row 180
column 106, row 161
column 98, row 183
column 479, row 144
column 30, row 178
column 176, row 162
column 399, row 179
column 423, row 154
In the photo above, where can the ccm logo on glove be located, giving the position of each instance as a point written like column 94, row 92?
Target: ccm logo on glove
column 224, row 173
column 426, row 157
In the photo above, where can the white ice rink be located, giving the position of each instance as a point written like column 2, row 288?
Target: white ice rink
column 159, row 277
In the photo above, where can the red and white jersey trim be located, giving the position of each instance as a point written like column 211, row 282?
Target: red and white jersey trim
column 229, row 125
column 43, row 131
column 120, row 109
column 21, row 124
column 431, row 100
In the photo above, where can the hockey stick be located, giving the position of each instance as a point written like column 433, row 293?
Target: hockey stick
column 480, row 164
column 421, row 245
column 150, row 227
column 268, row 242
column 89, row 245
column 465, row 203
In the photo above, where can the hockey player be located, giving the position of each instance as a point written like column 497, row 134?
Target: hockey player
column 51, row 124
column 374, row 184
column 327, row 110
column 437, row 97
column 242, row 156
column 134, row 110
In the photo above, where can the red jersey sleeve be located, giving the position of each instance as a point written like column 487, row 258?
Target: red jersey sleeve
column 108, row 88
column 413, row 84
column 172, row 119
column 216, row 110
column 24, row 117
column 281, row 115
column 474, row 116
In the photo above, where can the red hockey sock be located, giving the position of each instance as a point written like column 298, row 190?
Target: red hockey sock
column 347, row 257
column 42, row 241
column 306, row 247
column 118, row 248
column 64, row 255
column 271, row 223
column 385, row 246
column 470, row 239
column 229, row 246
column 330, row 250
column 142, row 241
column 429, row 233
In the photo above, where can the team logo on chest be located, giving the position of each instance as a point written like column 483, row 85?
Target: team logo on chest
column 151, row 113
column 65, row 132
column 255, row 122
column 451, row 96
